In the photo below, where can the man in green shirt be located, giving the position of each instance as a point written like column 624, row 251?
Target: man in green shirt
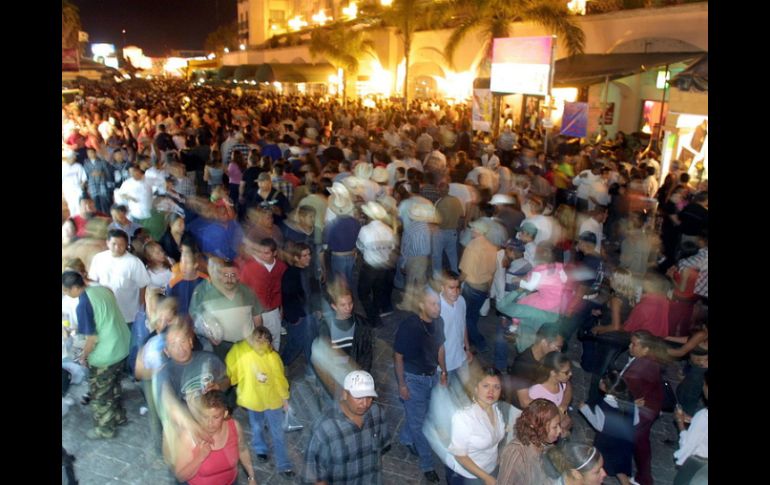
column 105, row 351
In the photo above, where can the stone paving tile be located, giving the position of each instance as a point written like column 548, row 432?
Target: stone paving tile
column 127, row 459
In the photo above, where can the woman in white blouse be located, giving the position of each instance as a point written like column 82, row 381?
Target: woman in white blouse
column 693, row 453
column 476, row 432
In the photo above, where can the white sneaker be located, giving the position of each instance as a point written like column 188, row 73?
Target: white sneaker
column 632, row 481
column 68, row 400
column 143, row 410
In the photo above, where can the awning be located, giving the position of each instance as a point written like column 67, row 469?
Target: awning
column 225, row 73
column 695, row 77
column 246, row 72
column 587, row 69
column 295, row 73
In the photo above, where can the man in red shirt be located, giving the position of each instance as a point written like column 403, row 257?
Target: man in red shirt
column 651, row 313
column 262, row 272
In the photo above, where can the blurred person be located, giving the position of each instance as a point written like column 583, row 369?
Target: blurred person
column 416, row 243
column 583, row 182
column 274, row 198
column 136, row 192
column 100, row 180
column 348, row 440
column 122, row 272
column 263, row 272
column 263, row 391
column 121, row 221
column 339, row 242
column 477, row 268
column 187, row 278
column 507, row 213
column 525, row 370
column 553, row 384
column 377, row 244
column 640, row 246
column 199, row 463
column 594, row 224
column 521, row 459
column 456, row 345
column 614, row 418
column 296, row 312
column 106, row 347
column 572, row 463
column 77, row 226
column 418, row 352
column 259, row 224
column 227, row 303
column 476, row 432
column 692, row 455
column 642, row 374
column 213, row 172
column 449, row 211
column 73, row 179
column 694, row 218
column 172, row 238
column 512, row 268
column 235, row 168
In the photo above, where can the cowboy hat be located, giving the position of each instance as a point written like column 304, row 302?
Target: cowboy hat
column 375, row 211
column 363, row 170
column 422, row 212
column 380, row 175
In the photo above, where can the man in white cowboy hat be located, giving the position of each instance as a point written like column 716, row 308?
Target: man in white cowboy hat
column 416, row 242
column 381, row 178
column 339, row 241
column 450, row 210
column 340, row 202
column 507, row 212
column 489, row 159
column 363, row 188
column 377, row 244
column 477, row 266
column 482, row 176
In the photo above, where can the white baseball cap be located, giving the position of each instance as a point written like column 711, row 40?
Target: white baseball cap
column 360, row 384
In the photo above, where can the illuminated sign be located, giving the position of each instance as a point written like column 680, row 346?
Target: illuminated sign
column 521, row 65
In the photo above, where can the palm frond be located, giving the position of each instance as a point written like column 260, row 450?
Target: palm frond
column 557, row 19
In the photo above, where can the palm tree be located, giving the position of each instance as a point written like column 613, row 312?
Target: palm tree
column 70, row 24
column 494, row 19
column 407, row 16
column 343, row 46
column 223, row 36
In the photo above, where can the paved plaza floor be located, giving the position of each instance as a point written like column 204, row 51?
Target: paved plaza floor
column 130, row 459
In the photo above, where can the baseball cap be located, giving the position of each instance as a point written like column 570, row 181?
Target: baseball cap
column 263, row 177
column 529, row 228
column 515, row 244
column 588, row 237
column 360, row 384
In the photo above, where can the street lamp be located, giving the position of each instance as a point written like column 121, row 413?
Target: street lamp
column 227, row 50
column 124, row 38
column 243, row 47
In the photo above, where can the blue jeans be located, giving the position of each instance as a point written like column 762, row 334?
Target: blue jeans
column 444, row 240
column 297, row 340
column 275, row 424
column 501, row 347
column 474, row 300
column 416, row 409
column 343, row 265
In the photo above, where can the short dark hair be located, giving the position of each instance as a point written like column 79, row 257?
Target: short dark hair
column 117, row 233
column 72, row 279
column 268, row 242
column 549, row 332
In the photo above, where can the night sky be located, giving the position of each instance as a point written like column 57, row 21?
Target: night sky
column 156, row 26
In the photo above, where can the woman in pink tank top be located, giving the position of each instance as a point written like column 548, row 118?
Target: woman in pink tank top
column 213, row 462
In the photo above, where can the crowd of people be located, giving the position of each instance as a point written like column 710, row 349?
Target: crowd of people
column 213, row 237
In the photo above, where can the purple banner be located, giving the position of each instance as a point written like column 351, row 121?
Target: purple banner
column 574, row 121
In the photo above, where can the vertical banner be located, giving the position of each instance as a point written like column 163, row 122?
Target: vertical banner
column 521, row 65
column 482, row 110
column 574, row 121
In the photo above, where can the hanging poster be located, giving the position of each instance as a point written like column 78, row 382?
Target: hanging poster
column 521, row 65
column 482, row 110
column 574, row 121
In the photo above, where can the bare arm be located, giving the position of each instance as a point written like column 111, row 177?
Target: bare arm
column 524, row 399
column 617, row 324
column 442, row 363
column 685, row 349
column 88, row 348
column 567, row 399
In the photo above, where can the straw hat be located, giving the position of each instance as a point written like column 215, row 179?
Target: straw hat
column 340, row 202
column 380, row 175
column 389, row 203
column 363, row 171
column 482, row 226
column 375, row 211
column 422, row 212
column 354, row 184
column 499, row 199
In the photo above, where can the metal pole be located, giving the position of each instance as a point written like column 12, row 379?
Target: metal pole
column 550, row 86
column 662, row 105
column 604, row 103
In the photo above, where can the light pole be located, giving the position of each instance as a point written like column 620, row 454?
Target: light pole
column 124, row 38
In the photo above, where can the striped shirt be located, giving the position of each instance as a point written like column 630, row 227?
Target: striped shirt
column 416, row 240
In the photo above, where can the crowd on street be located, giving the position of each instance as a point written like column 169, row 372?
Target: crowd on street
column 213, row 237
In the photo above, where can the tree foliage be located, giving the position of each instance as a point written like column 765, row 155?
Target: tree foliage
column 223, row 36
column 70, row 25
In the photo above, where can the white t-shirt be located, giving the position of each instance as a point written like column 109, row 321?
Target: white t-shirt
column 695, row 440
column 392, row 167
column 72, row 179
column 160, row 278
column 474, row 436
column 454, row 332
column 463, row 192
column 376, row 242
column 141, row 192
column 599, row 191
column 594, row 226
column 125, row 276
column 544, row 225
column 583, row 184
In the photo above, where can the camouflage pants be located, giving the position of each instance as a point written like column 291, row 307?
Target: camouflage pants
column 106, row 403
